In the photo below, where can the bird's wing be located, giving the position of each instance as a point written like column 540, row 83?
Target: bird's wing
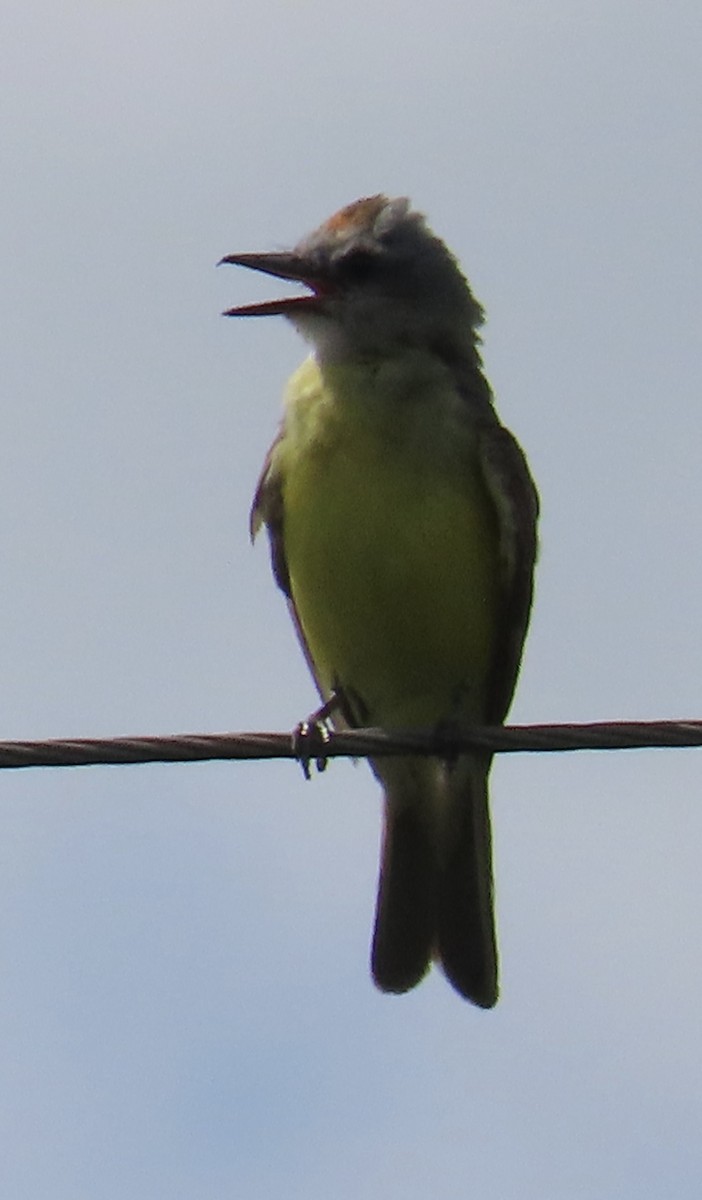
column 513, row 493
column 268, row 509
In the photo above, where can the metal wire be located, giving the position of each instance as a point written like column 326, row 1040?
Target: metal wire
column 314, row 746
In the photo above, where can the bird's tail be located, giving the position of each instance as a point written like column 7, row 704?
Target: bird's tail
column 435, row 890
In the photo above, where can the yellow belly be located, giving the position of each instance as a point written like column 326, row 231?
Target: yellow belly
column 391, row 545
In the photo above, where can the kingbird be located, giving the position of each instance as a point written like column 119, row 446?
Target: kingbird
column 402, row 523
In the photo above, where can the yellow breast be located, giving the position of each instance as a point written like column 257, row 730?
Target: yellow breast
column 390, row 538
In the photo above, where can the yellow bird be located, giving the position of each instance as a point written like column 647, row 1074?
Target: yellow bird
column 402, row 521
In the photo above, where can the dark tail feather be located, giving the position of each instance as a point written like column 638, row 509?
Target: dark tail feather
column 466, row 946
column 405, row 920
column 435, row 891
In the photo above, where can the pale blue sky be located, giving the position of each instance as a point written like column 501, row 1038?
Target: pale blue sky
column 185, row 1007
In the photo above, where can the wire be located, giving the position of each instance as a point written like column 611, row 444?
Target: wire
column 317, row 744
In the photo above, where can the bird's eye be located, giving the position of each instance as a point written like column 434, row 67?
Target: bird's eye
column 357, row 266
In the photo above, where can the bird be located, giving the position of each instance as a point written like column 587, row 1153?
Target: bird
column 402, row 520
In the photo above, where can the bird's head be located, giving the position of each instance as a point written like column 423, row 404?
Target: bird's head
column 379, row 280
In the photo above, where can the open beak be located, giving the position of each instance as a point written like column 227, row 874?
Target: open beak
column 287, row 265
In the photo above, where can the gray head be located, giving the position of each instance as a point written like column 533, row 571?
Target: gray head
column 379, row 281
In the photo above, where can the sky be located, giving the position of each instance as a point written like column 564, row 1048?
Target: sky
column 185, row 1005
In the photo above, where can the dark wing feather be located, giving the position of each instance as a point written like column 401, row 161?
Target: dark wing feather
column 509, row 482
column 268, row 509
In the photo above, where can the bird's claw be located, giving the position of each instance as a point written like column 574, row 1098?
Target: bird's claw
column 309, row 740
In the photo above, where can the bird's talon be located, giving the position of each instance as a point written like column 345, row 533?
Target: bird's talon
column 308, row 740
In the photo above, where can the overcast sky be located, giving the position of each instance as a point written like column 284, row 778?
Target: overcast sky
column 185, row 1006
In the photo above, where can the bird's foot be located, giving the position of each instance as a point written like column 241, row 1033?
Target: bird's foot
column 312, row 736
